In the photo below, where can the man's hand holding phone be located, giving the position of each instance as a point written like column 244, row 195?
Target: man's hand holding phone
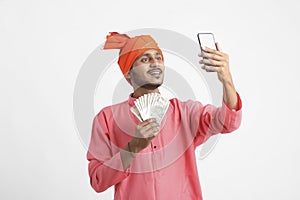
column 214, row 60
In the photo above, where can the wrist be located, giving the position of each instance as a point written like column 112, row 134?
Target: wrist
column 228, row 81
column 228, row 85
column 132, row 153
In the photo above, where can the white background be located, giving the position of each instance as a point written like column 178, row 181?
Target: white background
column 43, row 45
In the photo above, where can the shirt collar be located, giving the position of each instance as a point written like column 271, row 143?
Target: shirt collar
column 131, row 99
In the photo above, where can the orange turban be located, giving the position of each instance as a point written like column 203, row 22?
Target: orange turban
column 131, row 48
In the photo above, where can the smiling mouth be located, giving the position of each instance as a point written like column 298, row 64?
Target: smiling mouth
column 155, row 72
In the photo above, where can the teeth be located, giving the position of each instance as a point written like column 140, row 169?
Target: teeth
column 155, row 72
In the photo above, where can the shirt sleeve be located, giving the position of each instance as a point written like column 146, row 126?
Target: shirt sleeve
column 105, row 167
column 214, row 120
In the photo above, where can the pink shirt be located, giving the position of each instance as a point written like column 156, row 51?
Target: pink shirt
column 166, row 169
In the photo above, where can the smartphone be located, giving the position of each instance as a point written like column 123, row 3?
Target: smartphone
column 207, row 40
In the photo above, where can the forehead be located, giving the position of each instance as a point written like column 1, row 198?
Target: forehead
column 150, row 52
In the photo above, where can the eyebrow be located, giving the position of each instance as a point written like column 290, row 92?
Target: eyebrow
column 148, row 54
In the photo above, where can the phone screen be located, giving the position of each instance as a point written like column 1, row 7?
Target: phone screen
column 206, row 40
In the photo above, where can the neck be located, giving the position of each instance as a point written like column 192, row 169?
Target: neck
column 141, row 91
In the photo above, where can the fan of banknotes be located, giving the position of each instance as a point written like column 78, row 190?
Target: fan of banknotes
column 151, row 105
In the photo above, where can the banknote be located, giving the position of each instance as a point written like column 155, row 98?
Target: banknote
column 151, row 105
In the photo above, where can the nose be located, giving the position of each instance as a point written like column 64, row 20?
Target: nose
column 154, row 63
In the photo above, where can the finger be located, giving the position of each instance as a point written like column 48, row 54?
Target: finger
column 212, row 68
column 148, row 134
column 146, row 122
column 151, row 133
column 150, row 127
column 209, row 50
column 211, row 62
column 151, row 130
column 211, row 56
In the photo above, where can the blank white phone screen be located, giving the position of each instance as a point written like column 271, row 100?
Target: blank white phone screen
column 207, row 40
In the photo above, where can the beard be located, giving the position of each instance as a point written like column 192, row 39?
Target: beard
column 151, row 86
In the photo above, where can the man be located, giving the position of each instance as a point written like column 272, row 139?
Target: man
column 147, row 160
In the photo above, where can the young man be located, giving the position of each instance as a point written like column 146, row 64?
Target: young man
column 147, row 160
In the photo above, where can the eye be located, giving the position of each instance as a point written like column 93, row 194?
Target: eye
column 144, row 59
column 159, row 58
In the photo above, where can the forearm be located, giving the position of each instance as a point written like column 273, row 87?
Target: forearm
column 127, row 156
column 229, row 94
column 145, row 131
column 105, row 174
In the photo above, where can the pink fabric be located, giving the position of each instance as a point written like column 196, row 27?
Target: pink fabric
column 166, row 169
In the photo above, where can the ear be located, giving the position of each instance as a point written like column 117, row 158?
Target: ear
column 128, row 77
